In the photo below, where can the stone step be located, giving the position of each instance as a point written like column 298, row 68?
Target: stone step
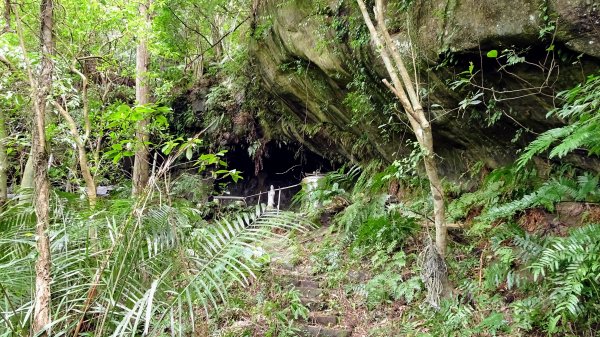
column 310, row 292
column 298, row 281
column 308, row 283
column 302, row 282
column 290, row 267
column 357, row 276
column 282, row 266
column 319, row 331
column 313, row 304
column 322, row 318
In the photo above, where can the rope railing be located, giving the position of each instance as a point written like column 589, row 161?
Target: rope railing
column 270, row 193
column 232, row 197
column 276, row 190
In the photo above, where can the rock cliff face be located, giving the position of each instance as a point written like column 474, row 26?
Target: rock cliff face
column 315, row 57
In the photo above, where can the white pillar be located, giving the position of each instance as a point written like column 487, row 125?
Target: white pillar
column 271, row 198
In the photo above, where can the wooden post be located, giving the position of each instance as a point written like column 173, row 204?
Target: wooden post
column 278, row 200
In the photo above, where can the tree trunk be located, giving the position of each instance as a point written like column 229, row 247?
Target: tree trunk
column 41, row 311
column 90, row 185
column 3, row 160
column 142, row 95
column 216, row 35
column 26, row 188
column 3, row 135
column 435, row 185
column 405, row 90
column 6, row 15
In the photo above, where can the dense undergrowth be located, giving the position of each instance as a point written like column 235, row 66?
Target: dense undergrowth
column 525, row 260
column 153, row 266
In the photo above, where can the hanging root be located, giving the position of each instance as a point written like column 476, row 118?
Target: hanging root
column 433, row 274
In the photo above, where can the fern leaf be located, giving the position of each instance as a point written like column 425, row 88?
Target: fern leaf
column 542, row 143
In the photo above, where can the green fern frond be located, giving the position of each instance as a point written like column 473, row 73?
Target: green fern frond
column 571, row 266
column 547, row 195
column 580, row 136
column 581, row 110
column 543, row 143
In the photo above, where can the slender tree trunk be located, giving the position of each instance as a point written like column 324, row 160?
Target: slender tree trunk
column 3, row 160
column 26, row 188
column 87, row 124
column 142, row 95
column 41, row 311
column 90, row 185
column 3, row 139
column 216, row 35
column 6, row 15
column 404, row 89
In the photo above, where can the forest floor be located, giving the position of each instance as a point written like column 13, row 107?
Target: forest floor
column 309, row 288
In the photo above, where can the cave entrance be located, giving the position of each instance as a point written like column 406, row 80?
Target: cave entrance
column 282, row 165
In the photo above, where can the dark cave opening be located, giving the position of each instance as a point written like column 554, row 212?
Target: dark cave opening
column 282, row 165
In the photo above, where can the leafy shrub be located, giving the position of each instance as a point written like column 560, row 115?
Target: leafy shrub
column 570, row 269
column 336, row 183
column 385, row 230
column 501, row 185
column 389, row 284
column 558, row 277
column 282, row 311
column 585, row 188
column 152, row 264
column 361, row 211
column 191, row 187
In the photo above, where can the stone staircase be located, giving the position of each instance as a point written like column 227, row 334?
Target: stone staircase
column 323, row 321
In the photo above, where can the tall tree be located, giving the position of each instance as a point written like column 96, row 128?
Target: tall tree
column 3, row 134
column 41, row 313
column 406, row 91
column 3, row 156
column 141, row 166
column 3, row 160
column 41, row 85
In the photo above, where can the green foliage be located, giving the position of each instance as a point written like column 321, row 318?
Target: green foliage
column 570, row 268
column 122, row 121
column 263, row 28
column 549, row 21
column 581, row 111
column 405, row 169
column 389, row 285
column 361, row 211
column 358, row 99
column 191, row 187
column 500, row 185
column 148, row 268
column 216, row 161
column 391, row 229
column 503, row 270
column 585, row 188
column 282, row 310
column 556, row 279
column 335, row 183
